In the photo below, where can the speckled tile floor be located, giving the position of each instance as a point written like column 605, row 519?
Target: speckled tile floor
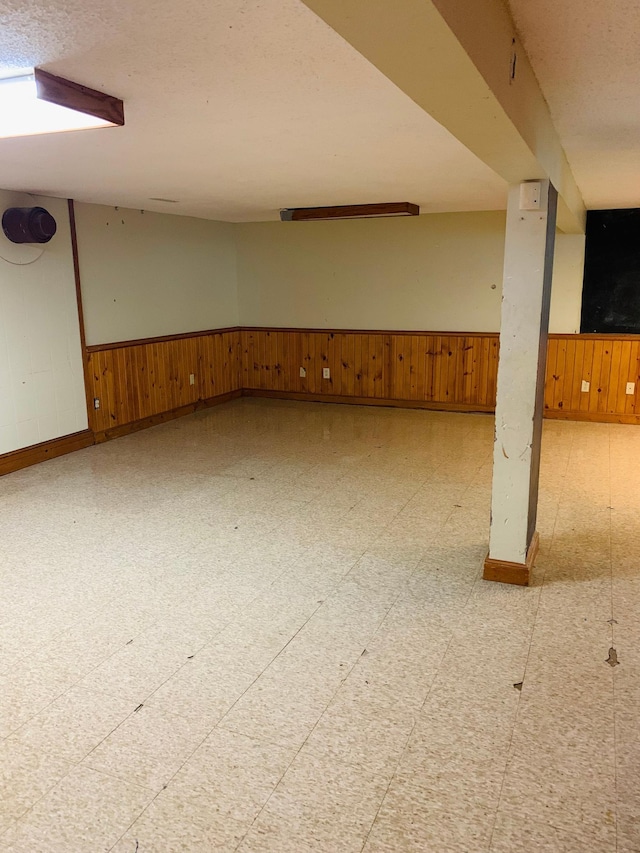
column 263, row 628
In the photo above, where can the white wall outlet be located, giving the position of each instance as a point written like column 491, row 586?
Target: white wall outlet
column 303, row 372
column 585, row 385
column 631, row 387
column 96, row 402
column 326, row 373
column 192, row 379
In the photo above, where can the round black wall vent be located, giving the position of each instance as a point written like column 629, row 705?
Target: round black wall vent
column 28, row 224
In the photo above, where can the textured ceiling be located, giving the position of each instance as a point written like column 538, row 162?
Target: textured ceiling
column 585, row 54
column 234, row 107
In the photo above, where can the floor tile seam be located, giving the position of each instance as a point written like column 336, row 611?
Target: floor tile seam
column 117, row 651
column 74, row 766
column 564, row 481
column 243, row 608
column 48, row 704
column 173, row 775
column 61, row 633
column 517, row 710
column 613, row 644
column 135, row 710
column 586, row 828
column 266, row 667
column 412, row 730
column 396, row 597
column 390, row 518
column 313, row 728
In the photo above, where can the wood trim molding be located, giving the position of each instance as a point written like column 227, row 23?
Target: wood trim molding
column 503, row 571
column 139, row 342
column 331, row 331
column 75, row 96
column 350, row 211
column 162, row 417
column 86, row 370
column 592, row 336
column 26, row 456
column 591, row 417
column 366, row 401
column 315, row 331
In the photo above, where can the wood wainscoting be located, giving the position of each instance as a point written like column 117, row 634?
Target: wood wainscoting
column 145, row 382
column 453, row 371
column 448, row 371
column 607, row 363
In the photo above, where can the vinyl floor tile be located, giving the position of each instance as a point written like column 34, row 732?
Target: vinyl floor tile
column 291, row 597
column 84, row 811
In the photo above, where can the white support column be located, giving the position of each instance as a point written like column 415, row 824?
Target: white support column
column 526, row 295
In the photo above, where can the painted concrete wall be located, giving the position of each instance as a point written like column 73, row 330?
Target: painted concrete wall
column 150, row 274
column 433, row 272
column 566, row 289
column 41, row 381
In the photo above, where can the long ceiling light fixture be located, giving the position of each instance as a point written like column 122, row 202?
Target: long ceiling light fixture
column 350, row 211
column 39, row 102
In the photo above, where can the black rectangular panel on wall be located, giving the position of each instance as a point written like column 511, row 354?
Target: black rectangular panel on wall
column 611, row 289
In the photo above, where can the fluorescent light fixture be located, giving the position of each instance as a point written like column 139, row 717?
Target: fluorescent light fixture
column 350, row 211
column 39, row 102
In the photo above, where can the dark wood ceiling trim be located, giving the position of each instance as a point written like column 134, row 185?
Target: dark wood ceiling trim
column 349, row 211
column 75, row 96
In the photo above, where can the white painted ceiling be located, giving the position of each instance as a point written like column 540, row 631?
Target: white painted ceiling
column 586, row 56
column 234, row 107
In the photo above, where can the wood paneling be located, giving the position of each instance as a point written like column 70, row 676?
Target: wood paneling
column 459, row 370
column 454, row 371
column 137, row 381
column 608, row 363
column 450, row 370
column 142, row 383
column 134, row 382
column 358, row 362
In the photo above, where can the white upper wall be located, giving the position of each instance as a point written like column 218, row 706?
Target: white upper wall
column 150, row 274
column 440, row 272
column 41, row 380
column 566, row 289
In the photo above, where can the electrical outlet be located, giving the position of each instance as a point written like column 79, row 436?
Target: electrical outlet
column 303, row 372
column 192, row 379
column 96, row 402
column 326, row 373
column 631, row 387
column 585, row 385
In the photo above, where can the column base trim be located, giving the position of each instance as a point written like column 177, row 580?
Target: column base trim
column 503, row 571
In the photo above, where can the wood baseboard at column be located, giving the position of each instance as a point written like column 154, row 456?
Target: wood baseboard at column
column 26, row 456
column 163, row 417
column 503, row 571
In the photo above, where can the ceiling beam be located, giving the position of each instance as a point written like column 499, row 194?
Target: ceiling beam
column 464, row 65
